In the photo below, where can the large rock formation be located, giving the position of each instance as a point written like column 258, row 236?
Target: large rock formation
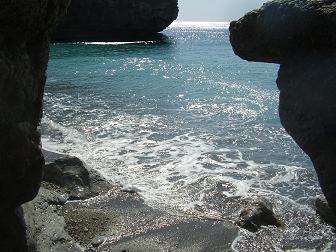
column 301, row 36
column 113, row 20
column 24, row 40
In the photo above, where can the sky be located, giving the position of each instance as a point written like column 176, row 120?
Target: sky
column 215, row 10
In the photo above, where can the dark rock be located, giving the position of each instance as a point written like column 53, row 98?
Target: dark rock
column 12, row 226
column 115, row 20
column 68, row 171
column 323, row 209
column 308, row 112
column 282, row 28
column 299, row 34
column 24, row 49
column 257, row 214
column 73, row 178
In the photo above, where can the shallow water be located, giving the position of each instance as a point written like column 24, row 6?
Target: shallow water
column 189, row 124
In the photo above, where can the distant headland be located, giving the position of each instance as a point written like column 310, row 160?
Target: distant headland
column 122, row 20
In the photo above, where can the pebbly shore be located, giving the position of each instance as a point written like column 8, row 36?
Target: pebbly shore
column 70, row 215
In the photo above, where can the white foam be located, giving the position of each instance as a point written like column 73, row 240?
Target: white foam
column 175, row 168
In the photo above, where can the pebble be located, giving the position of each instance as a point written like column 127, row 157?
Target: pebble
column 96, row 242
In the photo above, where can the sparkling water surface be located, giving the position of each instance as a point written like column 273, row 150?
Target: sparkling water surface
column 189, row 124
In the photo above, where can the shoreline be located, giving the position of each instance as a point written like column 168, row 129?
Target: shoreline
column 115, row 220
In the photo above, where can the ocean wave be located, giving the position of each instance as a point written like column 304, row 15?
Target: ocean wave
column 184, row 168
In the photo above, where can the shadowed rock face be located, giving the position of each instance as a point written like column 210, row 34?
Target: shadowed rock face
column 113, row 20
column 24, row 39
column 300, row 35
column 283, row 28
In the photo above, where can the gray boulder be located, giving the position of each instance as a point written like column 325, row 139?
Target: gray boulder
column 72, row 178
column 300, row 35
column 67, row 171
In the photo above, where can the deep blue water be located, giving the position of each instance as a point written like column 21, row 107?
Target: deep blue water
column 186, row 122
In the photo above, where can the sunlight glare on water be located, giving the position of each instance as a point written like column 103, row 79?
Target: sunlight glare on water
column 188, row 123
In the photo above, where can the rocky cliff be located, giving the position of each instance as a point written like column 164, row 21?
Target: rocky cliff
column 301, row 36
column 24, row 40
column 113, row 20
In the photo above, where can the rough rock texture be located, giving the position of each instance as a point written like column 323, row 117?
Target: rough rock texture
column 113, row 20
column 115, row 221
column 45, row 224
column 67, row 171
column 300, row 35
column 283, row 28
column 70, row 176
column 24, row 39
column 65, row 178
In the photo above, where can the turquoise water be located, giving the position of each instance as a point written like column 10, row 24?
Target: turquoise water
column 188, row 124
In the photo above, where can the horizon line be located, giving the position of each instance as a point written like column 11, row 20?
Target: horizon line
column 196, row 21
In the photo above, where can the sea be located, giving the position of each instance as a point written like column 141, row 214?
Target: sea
column 188, row 125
